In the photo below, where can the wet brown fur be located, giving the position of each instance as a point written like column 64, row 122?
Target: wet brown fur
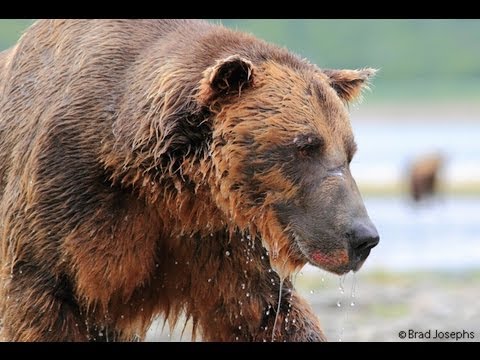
column 121, row 197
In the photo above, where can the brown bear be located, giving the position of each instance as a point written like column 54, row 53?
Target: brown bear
column 423, row 175
column 170, row 167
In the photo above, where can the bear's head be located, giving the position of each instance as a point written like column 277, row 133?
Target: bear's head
column 264, row 143
column 281, row 145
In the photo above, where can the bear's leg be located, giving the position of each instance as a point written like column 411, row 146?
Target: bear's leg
column 251, row 314
column 296, row 320
column 39, row 307
column 232, row 294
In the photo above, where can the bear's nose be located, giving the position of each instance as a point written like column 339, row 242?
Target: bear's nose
column 363, row 237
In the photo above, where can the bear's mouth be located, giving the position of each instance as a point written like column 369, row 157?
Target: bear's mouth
column 338, row 261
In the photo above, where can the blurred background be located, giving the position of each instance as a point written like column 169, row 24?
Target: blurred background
column 418, row 168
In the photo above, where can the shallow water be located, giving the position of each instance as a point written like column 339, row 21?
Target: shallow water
column 385, row 149
column 440, row 234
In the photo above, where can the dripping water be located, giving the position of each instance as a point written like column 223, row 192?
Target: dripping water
column 278, row 308
column 341, row 287
column 350, row 303
column 352, row 291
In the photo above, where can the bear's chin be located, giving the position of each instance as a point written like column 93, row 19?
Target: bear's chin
column 334, row 263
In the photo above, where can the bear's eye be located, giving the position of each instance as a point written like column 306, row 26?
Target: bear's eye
column 308, row 145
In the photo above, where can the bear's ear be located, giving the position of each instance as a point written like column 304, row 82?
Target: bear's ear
column 228, row 76
column 349, row 83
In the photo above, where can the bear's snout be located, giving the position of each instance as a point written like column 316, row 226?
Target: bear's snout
column 363, row 236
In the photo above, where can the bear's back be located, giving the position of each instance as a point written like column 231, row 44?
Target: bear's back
column 65, row 78
column 54, row 55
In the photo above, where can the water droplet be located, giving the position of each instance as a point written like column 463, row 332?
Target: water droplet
column 339, row 303
column 293, row 321
column 236, row 338
column 267, row 313
column 243, row 286
column 21, row 272
column 278, row 308
column 322, row 279
column 176, row 262
column 122, row 316
column 352, row 303
column 354, row 284
column 209, row 280
column 100, row 334
column 157, row 265
column 141, row 309
column 248, row 294
column 286, row 320
column 312, row 292
column 240, row 327
column 227, row 253
column 262, row 257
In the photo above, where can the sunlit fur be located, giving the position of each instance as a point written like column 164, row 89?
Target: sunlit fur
column 123, row 196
